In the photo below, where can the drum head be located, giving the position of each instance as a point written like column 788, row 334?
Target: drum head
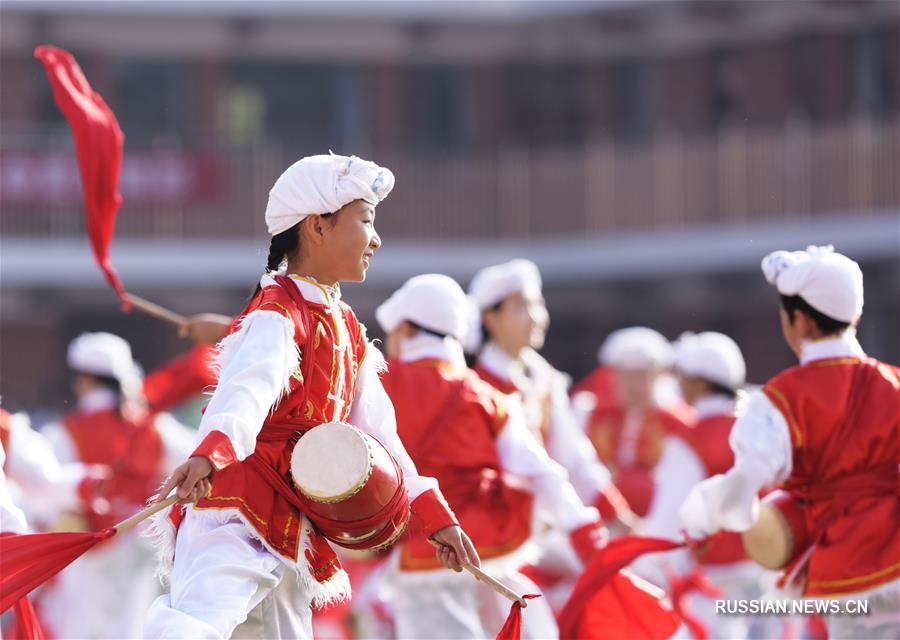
column 331, row 462
column 770, row 541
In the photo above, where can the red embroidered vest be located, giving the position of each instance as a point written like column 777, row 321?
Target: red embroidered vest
column 844, row 419
column 709, row 439
column 134, row 451
column 631, row 465
column 448, row 420
column 318, row 393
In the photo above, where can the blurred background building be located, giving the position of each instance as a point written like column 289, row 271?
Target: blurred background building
column 645, row 153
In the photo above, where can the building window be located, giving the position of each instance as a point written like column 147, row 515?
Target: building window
column 875, row 72
column 437, row 110
column 633, row 98
column 546, row 104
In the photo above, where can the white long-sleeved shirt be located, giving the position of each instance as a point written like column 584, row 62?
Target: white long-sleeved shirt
column 761, row 442
column 566, row 441
column 257, row 362
column 519, row 450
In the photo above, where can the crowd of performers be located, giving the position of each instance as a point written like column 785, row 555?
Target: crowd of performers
column 505, row 463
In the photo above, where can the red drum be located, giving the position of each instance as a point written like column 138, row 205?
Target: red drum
column 353, row 488
column 780, row 533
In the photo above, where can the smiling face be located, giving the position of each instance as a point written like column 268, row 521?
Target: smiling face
column 341, row 246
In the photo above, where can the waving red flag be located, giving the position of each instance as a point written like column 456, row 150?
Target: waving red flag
column 608, row 604
column 98, row 143
column 27, row 627
column 512, row 628
column 180, row 379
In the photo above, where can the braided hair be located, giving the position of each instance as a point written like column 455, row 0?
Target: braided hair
column 283, row 246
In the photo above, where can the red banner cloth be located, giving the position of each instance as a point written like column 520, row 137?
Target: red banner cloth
column 27, row 626
column 180, row 379
column 29, row 560
column 98, row 143
column 607, row 604
column 682, row 586
column 512, row 628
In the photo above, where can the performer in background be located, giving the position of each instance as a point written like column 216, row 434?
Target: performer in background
column 474, row 440
column 711, row 373
column 296, row 358
column 110, row 426
column 512, row 328
column 828, row 432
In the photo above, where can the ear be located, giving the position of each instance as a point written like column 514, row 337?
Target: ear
column 312, row 230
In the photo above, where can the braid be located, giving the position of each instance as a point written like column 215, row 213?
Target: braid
column 282, row 247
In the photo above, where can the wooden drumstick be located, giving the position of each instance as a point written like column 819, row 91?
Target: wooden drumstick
column 495, row 584
column 153, row 309
column 140, row 516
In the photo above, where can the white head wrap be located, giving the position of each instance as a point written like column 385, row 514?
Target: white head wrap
column 829, row 282
column 322, row 184
column 493, row 284
column 711, row 356
column 636, row 348
column 432, row 301
column 107, row 355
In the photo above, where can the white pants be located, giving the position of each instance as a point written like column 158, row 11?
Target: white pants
column 103, row 594
column 882, row 621
column 457, row 606
column 224, row 577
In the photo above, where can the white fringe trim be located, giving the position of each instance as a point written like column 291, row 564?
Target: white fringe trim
column 227, row 347
column 162, row 534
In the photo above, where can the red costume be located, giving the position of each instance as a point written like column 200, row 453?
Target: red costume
column 844, row 423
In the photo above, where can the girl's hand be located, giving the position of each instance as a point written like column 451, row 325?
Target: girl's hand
column 454, row 549
column 191, row 479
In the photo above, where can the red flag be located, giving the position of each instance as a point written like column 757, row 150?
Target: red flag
column 607, row 604
column 98, row 143
column 179, row 379
column 682, row 586
column 28, row 560
column 512, row 628
column 27, row 625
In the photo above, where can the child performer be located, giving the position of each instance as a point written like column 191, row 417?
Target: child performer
column 296, row 357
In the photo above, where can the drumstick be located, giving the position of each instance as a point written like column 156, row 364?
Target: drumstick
column 140, row 516
column 495, row 584
column 153, row 309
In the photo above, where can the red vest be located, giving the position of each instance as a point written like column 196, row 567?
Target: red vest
column 538, row 404
column 844, row 419
column 448, row 420
column 709, row 440
column 602, row 383
column 632, row 474
column 310, row 401
column 134, row 450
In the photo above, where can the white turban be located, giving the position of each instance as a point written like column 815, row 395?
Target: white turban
column 711, row 356
column 829, row 282
column 104, row 354
column 493, row 284
column 636, row 348
column 322, row 184
column 432, row 301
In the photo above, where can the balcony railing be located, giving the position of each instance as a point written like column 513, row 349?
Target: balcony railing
column 735, row 177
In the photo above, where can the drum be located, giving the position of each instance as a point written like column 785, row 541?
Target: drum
column 352, row 487
column 779, row 534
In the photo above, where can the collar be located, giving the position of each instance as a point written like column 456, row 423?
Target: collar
column 98, row 400
column 310, row 288
column 714, row 405
column 500, row 364
column 843, row 346
column 424, row 346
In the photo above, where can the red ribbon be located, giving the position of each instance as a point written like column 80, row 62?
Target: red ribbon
column 512, row 628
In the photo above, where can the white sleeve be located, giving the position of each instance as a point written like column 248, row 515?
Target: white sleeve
column 569, row 445
column 678, row 471
column 11, row 517
column 373, row 412
column 256, row 362
column 178, row 440
column 521, row 454
column 61, row 442
column 50, row 487
column 762, row 457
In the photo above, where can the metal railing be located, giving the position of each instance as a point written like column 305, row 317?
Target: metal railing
column 735, row 177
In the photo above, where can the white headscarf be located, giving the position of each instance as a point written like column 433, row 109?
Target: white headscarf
column 636, row 348
column 493, row 284
column 107, row 355
column 432, row 301
column 317, row 185
column 711, row 356
column 829, row 282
